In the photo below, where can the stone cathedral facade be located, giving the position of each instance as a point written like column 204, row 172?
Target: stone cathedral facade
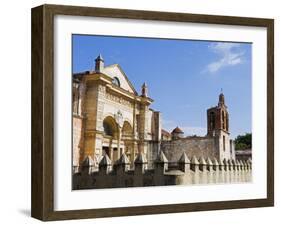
column 110, row 119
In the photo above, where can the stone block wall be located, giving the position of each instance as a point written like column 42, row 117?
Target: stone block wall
column 105, row 174
column 153, row 147
column 191, row 146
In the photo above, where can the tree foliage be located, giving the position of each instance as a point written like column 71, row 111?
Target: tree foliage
column 243, row 142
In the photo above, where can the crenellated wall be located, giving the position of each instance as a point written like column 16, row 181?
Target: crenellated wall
column 105, row 174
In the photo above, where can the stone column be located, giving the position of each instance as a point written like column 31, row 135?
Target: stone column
column 130, row 146
column 143, row 123
column 134, row 121
column 142, row 127
column 135, row 148
column 111, row 153
column 81, row 97
column 118, row 142
column 93, row 109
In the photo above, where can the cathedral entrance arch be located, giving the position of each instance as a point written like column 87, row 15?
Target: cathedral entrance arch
column 110, row 127
column 110, row 135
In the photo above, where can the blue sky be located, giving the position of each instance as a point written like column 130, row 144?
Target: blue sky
column 184, row 77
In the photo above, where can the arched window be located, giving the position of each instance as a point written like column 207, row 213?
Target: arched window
column 227, row 122
column 212, row 120
column 223, row 120
column 127, row 129
column 223, row 140
column 116, row 81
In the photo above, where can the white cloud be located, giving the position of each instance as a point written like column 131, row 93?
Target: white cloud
column 229, row 54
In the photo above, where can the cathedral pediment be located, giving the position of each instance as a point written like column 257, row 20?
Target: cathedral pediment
column 119, row 77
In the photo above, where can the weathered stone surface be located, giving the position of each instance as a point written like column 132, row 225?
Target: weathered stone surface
column 194, row 160
column 161, row 158
column 88, row 161
column 105, row 161
column 209, row 162
column 184, row 159
column 215, row 162
column 123, row 160
column 184, row 163
column 88, row 165
column 119, row 177
column 202, row 161
column 198, row 147
column 140, row 159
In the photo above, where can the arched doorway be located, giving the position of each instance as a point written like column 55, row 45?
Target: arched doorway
column 109, row 143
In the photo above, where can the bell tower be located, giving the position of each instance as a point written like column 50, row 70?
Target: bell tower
column 218, row 128
column 217, row 117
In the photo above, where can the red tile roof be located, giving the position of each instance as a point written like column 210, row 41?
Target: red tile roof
column 177, row 130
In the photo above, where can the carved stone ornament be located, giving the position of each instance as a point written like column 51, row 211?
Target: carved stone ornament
column 119, row 118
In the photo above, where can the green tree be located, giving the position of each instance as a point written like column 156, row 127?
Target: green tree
column 243, row 142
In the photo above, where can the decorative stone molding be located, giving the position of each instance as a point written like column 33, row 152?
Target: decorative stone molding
column 119, row 100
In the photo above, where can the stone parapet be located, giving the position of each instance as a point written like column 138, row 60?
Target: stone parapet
column 105, row 174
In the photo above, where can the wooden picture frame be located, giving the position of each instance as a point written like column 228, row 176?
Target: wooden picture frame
column 42, row 203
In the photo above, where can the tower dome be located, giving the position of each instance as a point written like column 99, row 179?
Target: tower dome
column 177, row 133
column 221, row 99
